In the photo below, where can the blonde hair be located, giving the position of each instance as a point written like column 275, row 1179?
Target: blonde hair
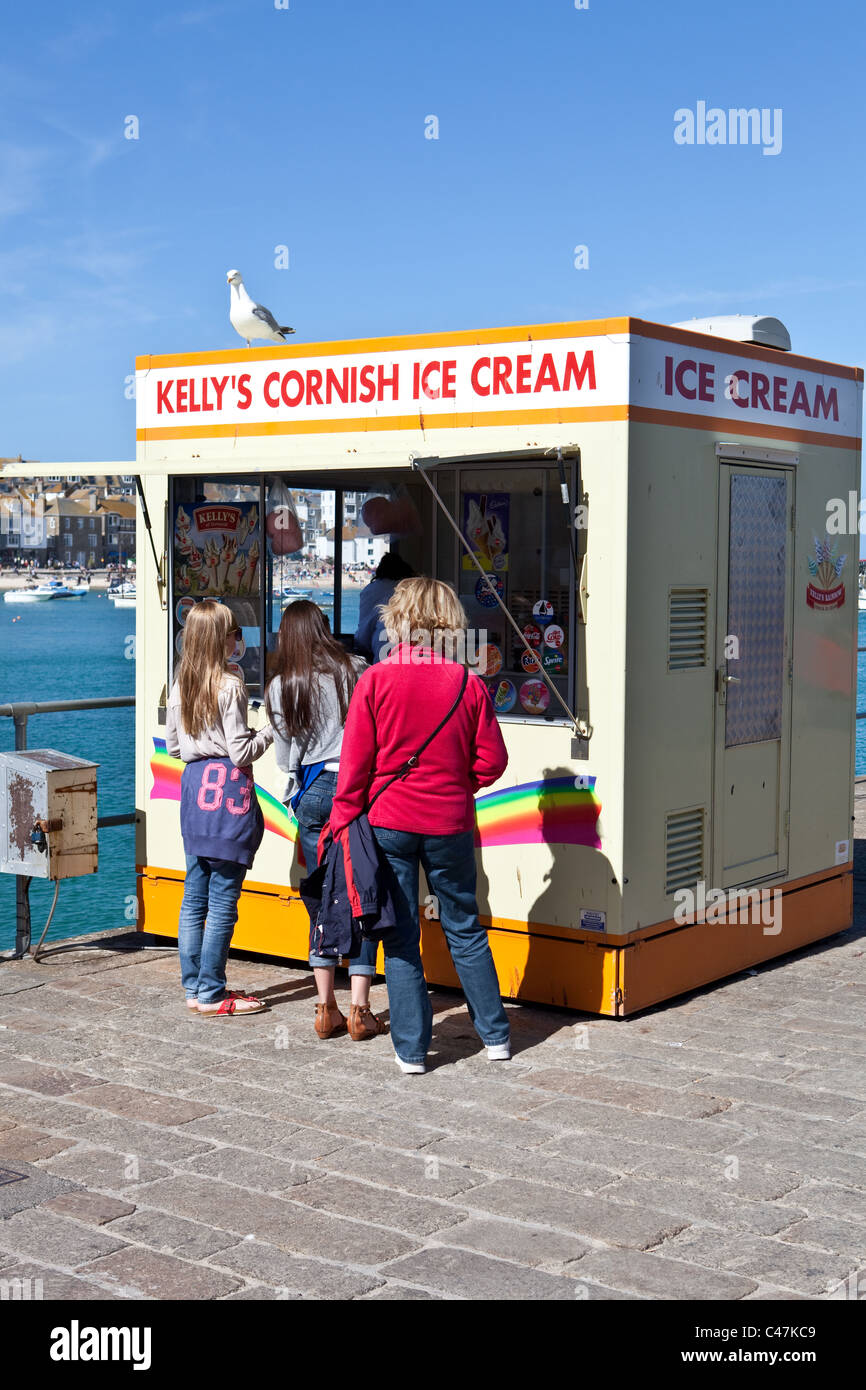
column 203, row 665
column 425, row 612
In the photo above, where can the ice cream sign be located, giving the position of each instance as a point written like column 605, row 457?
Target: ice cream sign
column 276, row 387
column 611, row 370
column 726, row 385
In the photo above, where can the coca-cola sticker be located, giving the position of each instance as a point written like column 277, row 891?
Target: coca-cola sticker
column 553, row 636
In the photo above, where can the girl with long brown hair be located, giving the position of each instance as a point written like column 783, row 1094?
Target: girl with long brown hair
column 307, row 702
column 221, row 820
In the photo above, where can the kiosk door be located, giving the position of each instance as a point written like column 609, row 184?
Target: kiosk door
column 753, row 673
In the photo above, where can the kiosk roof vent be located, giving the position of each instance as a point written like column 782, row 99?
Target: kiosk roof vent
column 684, row 849
column 742, row 328
column 687, row 628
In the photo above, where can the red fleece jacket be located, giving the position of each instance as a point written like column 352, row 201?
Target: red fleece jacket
column 395, row 705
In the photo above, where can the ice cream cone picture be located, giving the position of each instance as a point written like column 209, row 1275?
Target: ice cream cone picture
column 485, row 526
column 240, row 569
column 227, row 554
column 253, row 563
column 195, row 564
column 212, row 559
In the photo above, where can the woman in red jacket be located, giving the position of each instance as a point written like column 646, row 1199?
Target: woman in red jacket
column 428, row 816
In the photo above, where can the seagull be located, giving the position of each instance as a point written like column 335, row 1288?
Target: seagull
column 249, row 319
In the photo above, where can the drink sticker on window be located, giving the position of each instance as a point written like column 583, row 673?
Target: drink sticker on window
column 489, row 660
column 534, row 696
column 553, row 636
column 532, row 635
column 529, row 662
column 553, row 660
column 504, row 696
column 484, row 589
column 542, row 611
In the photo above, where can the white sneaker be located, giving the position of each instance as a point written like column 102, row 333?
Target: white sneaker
column 499, row 1052
column 411, row 1068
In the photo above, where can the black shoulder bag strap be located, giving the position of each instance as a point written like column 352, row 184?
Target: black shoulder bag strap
column 413, row 761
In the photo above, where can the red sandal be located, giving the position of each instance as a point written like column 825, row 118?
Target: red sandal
column 228, row 1007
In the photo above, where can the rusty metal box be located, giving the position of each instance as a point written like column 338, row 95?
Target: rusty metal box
column 43, row 790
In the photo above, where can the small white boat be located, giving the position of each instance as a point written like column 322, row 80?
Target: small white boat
column 124, row 597
column 861, row 601
column 38, row 593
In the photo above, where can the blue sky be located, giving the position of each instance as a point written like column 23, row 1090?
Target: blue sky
column 305, row 127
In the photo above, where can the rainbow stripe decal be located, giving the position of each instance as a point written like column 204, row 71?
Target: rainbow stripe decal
column 558, row 810
column 166, row 787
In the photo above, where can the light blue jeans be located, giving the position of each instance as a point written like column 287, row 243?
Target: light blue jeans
column 208, row 915
column 449, row 866
column 313, row 810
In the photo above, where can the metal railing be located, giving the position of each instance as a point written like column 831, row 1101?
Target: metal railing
column 20, row 712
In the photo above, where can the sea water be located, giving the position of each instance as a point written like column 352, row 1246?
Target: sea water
column 76, row 649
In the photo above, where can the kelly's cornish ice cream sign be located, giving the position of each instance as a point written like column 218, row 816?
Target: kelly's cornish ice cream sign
column 490, row 379
column 464, row 384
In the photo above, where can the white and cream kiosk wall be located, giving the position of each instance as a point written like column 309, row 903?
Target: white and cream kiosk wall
column 699, row 621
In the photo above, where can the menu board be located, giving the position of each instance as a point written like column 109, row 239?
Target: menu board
column 217, row 548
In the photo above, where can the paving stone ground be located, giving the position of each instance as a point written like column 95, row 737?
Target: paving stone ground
column 712, row 1148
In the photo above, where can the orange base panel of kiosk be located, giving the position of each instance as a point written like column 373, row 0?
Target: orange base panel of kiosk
column 537, row 964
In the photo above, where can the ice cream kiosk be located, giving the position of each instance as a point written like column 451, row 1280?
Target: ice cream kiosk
column 645, row 526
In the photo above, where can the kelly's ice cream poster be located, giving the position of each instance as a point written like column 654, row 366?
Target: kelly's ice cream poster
column 485, row 526
column 217, row 550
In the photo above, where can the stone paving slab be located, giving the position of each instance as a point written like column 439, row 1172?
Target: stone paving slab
column 713, row 1148
column 44, row 1235
column 31, row 1187
column 472, row 1276
column 55, row 1285
column 294, row 1274
column 30, row 1144
column 800, row 1268
column 93, row 1208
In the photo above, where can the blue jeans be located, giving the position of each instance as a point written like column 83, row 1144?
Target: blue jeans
column 211, row 892
column 313, row 810
column 449, row 866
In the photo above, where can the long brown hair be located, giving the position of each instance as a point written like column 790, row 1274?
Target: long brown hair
column 203, row 665
column 306, row 648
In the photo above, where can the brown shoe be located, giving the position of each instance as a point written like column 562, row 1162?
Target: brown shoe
column 363, row 1023
column 329, row 1020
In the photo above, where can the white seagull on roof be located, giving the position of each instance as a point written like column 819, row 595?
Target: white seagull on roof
column 249, row 319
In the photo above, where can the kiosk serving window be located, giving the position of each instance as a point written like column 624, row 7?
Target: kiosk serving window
column 259, row 543
column 517, row 525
